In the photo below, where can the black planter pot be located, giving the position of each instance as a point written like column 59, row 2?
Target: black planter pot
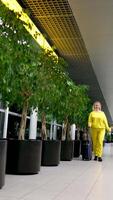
column 77, row 148
column 23, row 156
column 67, row 150
column 3, row 150
column 51, row 152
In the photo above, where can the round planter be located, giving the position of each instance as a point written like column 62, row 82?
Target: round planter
column 3, row 150
column 67, row 150
column 51, row 152
column 23, row 156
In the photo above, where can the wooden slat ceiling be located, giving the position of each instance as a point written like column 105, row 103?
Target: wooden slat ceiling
column 56, row 20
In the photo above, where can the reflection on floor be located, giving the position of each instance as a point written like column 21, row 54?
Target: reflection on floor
column 71, row 180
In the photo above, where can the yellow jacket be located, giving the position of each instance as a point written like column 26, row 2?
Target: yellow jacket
column 98, row 120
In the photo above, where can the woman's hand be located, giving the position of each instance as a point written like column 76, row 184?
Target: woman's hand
column 111, row 129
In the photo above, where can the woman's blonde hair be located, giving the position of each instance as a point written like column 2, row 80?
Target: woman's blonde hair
column 93, row 107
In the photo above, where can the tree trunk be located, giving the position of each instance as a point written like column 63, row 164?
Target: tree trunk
column 68, row 132
column 21, row 133
column 33, row 124
column 43, row 129
column 64, row 130
column 72, row 132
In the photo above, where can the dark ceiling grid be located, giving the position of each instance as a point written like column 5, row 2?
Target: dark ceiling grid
column 56, row 20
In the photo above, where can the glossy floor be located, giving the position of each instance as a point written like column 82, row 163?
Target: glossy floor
column 71, row 180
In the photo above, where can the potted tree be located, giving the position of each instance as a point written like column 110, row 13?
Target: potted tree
column 28, row 77
column 69, row 110
column 20, row 61
column 62, row 113
column 81, row 118
column 51, row 148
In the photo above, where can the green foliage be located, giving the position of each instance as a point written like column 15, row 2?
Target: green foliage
column 33, row 77
column 26, row 72
column 73, row 103
column 108, row 138
column 29, row 76
column 83, row 106
column 52, row 86
column 18, row 59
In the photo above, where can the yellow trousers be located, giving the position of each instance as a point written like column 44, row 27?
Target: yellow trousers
column 97, row 139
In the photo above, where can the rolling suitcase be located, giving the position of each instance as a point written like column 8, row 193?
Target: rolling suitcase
column 86, row 150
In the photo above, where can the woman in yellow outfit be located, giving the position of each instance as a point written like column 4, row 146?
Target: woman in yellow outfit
column 98, row 124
